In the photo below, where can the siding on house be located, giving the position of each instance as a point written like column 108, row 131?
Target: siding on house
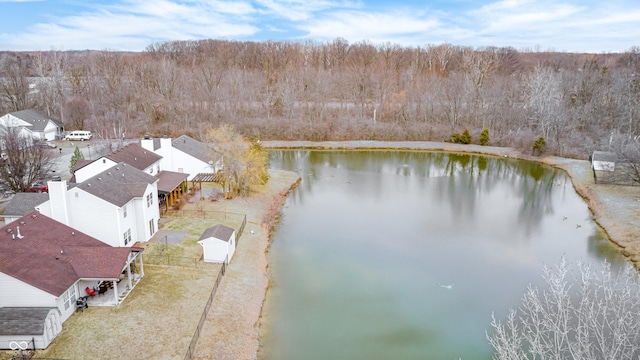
column 185, row 155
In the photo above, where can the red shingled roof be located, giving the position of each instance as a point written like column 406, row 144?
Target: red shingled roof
column 51, row 256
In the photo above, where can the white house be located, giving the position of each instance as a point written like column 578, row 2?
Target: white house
column 133, row 154
column 45, row 267
column 118, row 206
column 34, row 123
column 184, row 155
column 218, row 244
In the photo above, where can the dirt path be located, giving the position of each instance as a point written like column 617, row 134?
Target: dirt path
column 231, row 330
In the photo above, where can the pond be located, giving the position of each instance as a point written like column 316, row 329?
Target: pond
column 406, row 254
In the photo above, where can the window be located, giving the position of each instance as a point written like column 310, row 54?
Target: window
column 149, row 199
column 69, row 297
column 124, row 211
column 65, row 298
column 127, row 237
column 151, row 227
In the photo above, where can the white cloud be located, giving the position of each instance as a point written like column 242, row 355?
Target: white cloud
column 565, row 25
column 135, row 24
column 359, row 25
column 299, row 10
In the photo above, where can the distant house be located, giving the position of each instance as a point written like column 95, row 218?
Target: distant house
column 184, row 155
column 34, row 123
column 133, row 154
column 118, row 206
column 45, row 267
column 22, row 204
column 218, row 244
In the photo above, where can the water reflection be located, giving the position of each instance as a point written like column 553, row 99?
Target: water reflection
column 405, row 254
column 462, row 178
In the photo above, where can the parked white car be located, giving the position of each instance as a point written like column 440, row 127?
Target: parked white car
column 79, row 135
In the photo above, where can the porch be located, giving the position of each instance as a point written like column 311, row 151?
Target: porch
column 113, row 293
column 171, row 187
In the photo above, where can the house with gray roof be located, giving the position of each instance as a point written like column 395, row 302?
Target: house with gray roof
column 22, row 204
column 132, row 154
column 46, row 267
column 34, row 123
column 184, row 155
column 118, row 206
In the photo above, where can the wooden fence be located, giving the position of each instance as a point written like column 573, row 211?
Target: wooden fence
column 196, row 336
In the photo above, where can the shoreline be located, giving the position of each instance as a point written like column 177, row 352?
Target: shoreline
column 234, row 329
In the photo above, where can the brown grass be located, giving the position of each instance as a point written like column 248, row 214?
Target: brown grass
column 156, row 321
column 159, row 318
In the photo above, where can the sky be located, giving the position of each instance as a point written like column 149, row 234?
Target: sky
column 131, row 25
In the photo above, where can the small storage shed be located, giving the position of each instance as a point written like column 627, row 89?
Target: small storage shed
column 26, row 327
column 218, row 244
column 603, row 164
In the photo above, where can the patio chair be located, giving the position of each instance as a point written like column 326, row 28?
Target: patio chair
column 90, row 291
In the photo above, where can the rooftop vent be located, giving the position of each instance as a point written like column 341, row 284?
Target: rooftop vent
column 9, row 231
column 34, row 216
column 22, row 223
column 20, row 236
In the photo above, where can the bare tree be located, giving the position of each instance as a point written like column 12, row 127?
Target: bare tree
column 23, row 161
column 14, row 83
column 627, row 150
column 543, row 101
column 77, row 111
column 594, row 315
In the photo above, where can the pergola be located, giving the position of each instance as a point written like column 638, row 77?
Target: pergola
column 203, row 177
column 171, row 186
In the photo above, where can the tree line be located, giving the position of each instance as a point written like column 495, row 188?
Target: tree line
column 336, row 90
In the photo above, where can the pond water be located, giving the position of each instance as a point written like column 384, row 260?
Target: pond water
column 405, row 255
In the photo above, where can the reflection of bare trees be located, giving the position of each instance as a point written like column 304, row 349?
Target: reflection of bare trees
column 459, row 180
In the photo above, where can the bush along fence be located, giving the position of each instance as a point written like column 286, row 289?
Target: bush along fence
column 196, row 336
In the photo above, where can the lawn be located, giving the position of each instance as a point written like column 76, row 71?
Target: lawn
column 157, row 321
